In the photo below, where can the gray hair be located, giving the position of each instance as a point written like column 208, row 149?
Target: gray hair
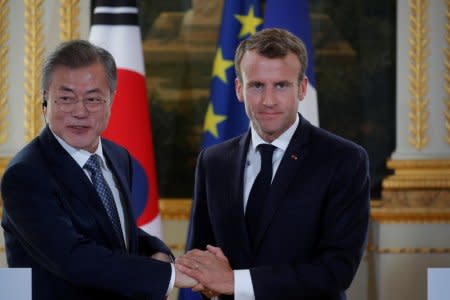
column 75, row 54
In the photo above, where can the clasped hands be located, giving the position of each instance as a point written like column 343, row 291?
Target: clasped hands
column 208, row 272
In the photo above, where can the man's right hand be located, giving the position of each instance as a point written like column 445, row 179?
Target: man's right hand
column 184, row 281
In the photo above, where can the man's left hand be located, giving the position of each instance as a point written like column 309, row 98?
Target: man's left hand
column 211, row 268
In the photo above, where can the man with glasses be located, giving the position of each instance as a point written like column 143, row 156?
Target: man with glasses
column 67, row 212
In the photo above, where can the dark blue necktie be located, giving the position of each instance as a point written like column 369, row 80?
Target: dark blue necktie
column 259, row 192
column 104, row 192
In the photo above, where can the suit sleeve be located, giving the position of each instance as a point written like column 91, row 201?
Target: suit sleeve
column 340, row 245
column 200, row 229
column 39, row 219
column 149, row 245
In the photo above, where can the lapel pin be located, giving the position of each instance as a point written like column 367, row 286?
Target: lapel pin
column 294, row 157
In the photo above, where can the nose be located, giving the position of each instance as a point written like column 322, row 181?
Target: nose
column 79, row 109
column 269, row 98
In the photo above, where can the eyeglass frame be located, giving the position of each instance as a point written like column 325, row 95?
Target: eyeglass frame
column 68, row 107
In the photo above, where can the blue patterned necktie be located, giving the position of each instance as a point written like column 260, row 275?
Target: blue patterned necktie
column 259, row 192
column 104, row 192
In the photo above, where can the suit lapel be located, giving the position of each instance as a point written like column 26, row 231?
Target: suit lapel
column 238, row 157
column 69, row 174
column 119, row 173
column 290, row 165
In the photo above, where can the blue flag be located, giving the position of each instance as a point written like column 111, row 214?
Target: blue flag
column 293, row 15
column 225, row 116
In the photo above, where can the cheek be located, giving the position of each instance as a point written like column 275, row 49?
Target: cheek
column 103, row 122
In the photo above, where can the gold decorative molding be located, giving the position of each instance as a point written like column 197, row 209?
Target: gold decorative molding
column 418, row 77
column 69, row 20
column 175, row 209
column 418, row 174
column 400, row 250
column 34, row 53
column 410, row 215
column 3, row 163
column 447, row 73
column 4, row 37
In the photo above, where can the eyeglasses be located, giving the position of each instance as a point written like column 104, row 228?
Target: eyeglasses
column 92, row 104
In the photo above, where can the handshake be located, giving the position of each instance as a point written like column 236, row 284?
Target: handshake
column 208, row 272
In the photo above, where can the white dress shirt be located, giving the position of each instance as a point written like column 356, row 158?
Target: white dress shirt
column 243, row 286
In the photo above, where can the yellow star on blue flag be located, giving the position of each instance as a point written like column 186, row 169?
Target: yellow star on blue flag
column 249, row 23
column 211, row 121
column 221, row 65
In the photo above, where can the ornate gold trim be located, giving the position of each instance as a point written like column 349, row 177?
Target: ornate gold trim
column 409, row 250
column 447, row 73
column 175, row 209
column 418, row 77
column 3, row 163
column 408, row 215
column 418, row 174
column 4, row 36
column 69, row 24
column 34, row 53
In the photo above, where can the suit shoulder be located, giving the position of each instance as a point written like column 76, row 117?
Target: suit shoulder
column 328, row 143
column 114, row 148
column 29, row 164
column 221, row 148
column 31, row 154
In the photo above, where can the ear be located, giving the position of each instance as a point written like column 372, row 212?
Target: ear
column 44, row 101
column 239, row 89
column 303, row 85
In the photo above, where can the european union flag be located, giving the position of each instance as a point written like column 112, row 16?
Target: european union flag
column 225, row 116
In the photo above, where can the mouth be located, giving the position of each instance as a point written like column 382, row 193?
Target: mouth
column 268, row 114
column 78, row 128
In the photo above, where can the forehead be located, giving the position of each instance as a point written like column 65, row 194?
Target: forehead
column 255, row 66
column 80, row 78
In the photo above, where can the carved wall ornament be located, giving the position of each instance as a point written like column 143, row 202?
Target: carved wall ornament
column 447, row 73
column 69, row 24
column 418, row 74
column 34, row 55
column 4, row 49
column 418, row 174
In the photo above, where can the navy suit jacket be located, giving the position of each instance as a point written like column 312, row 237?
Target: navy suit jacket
column 55, row 223
column 314, row 227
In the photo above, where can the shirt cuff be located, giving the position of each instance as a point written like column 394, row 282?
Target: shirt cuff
column 243, row 286
column 172, row 280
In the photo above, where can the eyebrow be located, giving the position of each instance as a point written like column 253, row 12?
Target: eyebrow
column 68, row 89
column 286, row 82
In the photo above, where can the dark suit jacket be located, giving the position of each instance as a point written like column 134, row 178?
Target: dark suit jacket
column 54, row 222
column 314, row 228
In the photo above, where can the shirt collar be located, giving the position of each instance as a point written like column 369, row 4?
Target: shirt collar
column 79, row 155
column 280, row 142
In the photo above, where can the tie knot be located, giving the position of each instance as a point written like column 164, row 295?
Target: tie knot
column 93, row 163
column 266, row 151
